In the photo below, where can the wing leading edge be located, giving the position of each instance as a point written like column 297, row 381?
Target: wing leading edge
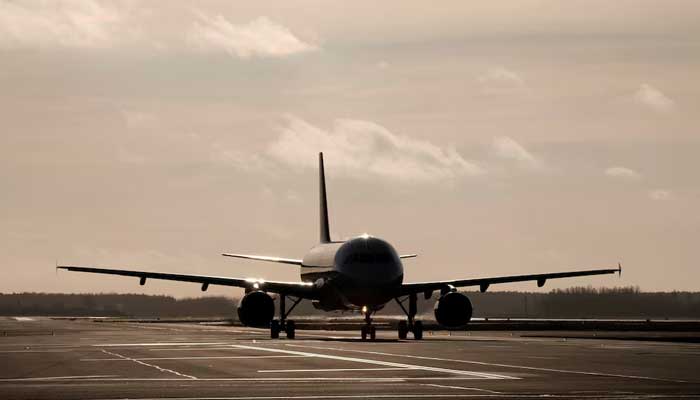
column 301, row 289
column 264, row 258
column 484, row 283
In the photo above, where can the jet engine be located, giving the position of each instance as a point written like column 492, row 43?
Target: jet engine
column 453, row 310
column 256, row 309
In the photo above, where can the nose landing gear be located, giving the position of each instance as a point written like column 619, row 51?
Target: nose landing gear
column 368, row 329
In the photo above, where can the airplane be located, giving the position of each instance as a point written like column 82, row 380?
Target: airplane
column 363, row 274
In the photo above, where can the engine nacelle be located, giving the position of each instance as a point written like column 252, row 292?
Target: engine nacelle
column 256, row 309
column 453, row 310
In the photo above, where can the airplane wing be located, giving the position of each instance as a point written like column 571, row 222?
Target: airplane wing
column 264, row 258
column 428, row 287
column 301, row 289
column 408, row 255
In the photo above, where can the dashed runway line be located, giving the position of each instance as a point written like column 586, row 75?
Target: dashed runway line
column 150, row 365
column 187, row 358
column 461, row 388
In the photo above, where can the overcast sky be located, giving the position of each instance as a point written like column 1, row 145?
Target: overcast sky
column 492, row 139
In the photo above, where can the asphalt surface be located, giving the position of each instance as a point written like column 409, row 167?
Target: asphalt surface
column 41, row 358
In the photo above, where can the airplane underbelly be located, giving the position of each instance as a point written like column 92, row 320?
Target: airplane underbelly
column 370, row 295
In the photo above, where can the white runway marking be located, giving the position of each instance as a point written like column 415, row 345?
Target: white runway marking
column 191, row 349
column 190, row 328
column 149, row 365
column 428, row 396
column 160, row 344
column 23, row 319
column 563, row 371
column 36, row 351
column 280, row 379
column 618, row 347
column 330, row 369
column 476, row 375
column 460, row 388
column 56, row 378
column 186, row 358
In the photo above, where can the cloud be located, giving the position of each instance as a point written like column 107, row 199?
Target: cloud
column 506, row 148
column 260, row 37
column 500, row 76
column 135, row 119
column 660, row 195
column 648, row 96
column 70, row 24
column 238, row 159
column 361, row 148
column 623, row 173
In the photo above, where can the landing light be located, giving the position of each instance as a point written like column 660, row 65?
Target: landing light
column 364, row 309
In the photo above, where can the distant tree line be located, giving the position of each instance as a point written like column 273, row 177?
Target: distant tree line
column 118, row 305
column 575, row 302
column 587, row 302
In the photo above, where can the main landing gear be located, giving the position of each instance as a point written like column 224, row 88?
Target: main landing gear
column 410, row 325
column 289, row 327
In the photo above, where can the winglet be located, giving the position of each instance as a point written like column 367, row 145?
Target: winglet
column 325, row 234
column 619, row 269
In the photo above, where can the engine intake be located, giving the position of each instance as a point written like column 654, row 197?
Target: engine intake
column 453, row 310
column 256, row 309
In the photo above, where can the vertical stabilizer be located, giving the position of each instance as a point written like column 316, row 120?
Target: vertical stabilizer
column 323, row 205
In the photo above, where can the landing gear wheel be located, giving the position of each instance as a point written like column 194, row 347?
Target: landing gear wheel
column 418, row 330
column 403, row 329
column 290, row 328
column 372, row 333
column 274, row 329
column 363, row 332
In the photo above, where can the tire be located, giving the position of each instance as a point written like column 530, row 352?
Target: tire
column 418, row 330
column 291, row 329
column 363, row 332
column 403, row 329
column 372, row 333
column 274, row 329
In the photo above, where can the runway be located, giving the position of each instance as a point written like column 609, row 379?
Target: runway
column 82, row 359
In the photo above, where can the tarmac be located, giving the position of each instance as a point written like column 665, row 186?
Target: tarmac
column 43, row 358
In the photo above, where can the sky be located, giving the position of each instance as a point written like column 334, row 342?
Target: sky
column 491, row 138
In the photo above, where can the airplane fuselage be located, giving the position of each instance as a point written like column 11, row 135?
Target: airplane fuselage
column 362, row 271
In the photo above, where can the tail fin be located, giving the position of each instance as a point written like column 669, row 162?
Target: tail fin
column 325, row 231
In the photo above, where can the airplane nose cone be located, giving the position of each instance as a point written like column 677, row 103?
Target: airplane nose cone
column 369, row 261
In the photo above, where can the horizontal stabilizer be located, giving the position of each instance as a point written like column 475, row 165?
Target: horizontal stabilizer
column 264, row 258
